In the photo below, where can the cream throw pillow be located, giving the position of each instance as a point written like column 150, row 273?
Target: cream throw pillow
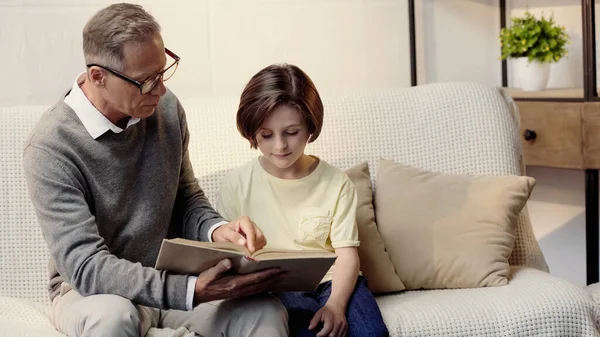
column 375, row 263
column 448, row 231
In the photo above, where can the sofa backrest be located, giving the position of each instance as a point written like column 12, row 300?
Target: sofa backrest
column 23, row 251
column 453, row 127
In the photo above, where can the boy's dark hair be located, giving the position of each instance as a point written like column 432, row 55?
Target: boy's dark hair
column 275, row 85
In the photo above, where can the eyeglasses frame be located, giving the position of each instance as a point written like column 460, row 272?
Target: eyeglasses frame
column 138, row 83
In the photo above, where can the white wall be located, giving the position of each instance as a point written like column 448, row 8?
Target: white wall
column 342, row 44
column 457, row 41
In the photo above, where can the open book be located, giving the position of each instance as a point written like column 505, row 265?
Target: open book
column 304, row 268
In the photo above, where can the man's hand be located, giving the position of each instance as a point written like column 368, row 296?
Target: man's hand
column 334, row 321
column 211, row 285
column 242, row 231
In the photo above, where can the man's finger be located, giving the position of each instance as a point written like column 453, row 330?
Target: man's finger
column 248, row 230
column 214, row 272
column 229, row 234
column 254, row 285
column 256, row 288
column 267, row 275
column 260, row 240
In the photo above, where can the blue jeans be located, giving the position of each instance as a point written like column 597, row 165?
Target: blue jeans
column 363, row 315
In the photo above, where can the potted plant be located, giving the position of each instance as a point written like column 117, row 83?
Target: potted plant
column 534, row 44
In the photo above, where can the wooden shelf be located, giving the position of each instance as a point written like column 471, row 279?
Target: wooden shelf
column 558, row 128
column 567, row 134
column 571, row 93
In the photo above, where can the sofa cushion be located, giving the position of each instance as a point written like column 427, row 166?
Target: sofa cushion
column 24, row 311
column 446, row 230
column 12, row 328
column 533, row 304
column 375, row 263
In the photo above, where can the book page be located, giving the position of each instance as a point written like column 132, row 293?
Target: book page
column 226, row 246
column 268, row 254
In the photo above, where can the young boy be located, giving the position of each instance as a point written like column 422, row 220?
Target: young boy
column 300, row 202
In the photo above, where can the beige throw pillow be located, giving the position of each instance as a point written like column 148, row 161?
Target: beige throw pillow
column 448, row 231
column 375, row 263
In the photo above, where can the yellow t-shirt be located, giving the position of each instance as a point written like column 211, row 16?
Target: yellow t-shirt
column 314, row 212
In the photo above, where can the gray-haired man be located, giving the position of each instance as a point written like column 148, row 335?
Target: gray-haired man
column 108, row 172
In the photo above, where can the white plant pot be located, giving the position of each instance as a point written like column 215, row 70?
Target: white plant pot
column 531, row 76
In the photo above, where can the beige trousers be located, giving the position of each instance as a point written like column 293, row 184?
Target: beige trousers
column 115, row 316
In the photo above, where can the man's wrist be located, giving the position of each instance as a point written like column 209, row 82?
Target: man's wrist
column 212, row 229
column 191, row 290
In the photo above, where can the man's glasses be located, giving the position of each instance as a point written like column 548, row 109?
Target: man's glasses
column 149, row 84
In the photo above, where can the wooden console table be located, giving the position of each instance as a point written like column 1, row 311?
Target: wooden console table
column 561, row 135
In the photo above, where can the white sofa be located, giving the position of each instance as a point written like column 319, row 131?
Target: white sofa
column 454, row 127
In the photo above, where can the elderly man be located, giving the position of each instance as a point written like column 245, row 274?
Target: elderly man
column 109, row 175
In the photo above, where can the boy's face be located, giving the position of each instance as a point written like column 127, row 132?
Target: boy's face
column 283, row 137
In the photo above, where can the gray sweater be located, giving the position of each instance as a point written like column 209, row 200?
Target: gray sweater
column 105, row 204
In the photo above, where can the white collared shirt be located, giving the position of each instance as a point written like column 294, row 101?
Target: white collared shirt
column 93, row 120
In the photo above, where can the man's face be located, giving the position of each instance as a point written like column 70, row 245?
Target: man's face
column 142, row 61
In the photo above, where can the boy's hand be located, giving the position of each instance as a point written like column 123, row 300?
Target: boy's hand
column 242, row 231
column 334, row 321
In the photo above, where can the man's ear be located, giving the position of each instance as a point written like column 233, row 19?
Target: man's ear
column 97, row 76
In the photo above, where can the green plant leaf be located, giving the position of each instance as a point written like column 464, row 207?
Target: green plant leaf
column 539, row 40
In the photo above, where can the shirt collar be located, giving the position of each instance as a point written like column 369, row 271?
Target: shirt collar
column 93, row 120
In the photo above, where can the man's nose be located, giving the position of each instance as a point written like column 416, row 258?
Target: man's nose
column 159, row 89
